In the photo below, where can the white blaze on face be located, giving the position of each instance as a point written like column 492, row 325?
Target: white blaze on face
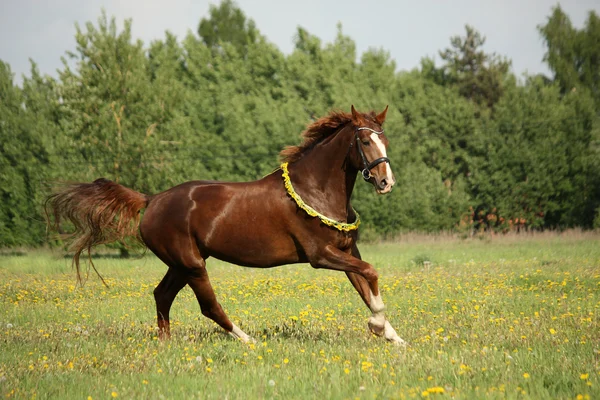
column 381, row 147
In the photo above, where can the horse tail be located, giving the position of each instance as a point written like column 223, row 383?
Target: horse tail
column 101, row 212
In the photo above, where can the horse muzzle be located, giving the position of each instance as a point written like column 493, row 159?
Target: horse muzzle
column 384, row 185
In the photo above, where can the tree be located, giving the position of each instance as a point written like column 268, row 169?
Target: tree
column 227, row 24
column 109, row 111
column 26, row 133
column 573, row 55
column 478, row 76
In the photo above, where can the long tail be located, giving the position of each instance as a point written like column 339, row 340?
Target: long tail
column 101, row 212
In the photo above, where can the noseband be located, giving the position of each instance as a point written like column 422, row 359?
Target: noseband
column 367, row 166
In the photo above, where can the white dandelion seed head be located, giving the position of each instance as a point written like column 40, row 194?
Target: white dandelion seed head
column 271, row 382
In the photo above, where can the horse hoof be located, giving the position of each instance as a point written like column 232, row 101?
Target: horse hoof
column 398, row 341
column 377, row 330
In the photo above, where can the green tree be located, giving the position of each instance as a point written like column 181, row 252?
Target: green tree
column 26, row 133
column 573, row 55
column 109, row 112
column 479, row 76
column 227, row 24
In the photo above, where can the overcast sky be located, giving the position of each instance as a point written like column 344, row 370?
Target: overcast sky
column 409, row 30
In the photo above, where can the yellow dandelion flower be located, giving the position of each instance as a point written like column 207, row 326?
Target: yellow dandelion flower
column 526, row 375
column 114, row 394
column 436, row 389
column 584, row 376
column 285, row 361
column 552, row 331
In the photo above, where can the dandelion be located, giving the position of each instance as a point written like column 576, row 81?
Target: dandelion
column 285, row 361
column 552, row 331
column 114, row 394
column 526, row 375
column 584, row 376
column 436, row 389
column 271, row 382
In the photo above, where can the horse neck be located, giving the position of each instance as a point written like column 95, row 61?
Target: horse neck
column 322, row 177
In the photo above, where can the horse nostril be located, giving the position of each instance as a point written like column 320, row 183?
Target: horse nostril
column 383, row 183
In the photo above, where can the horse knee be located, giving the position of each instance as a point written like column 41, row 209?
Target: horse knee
column 371, row 275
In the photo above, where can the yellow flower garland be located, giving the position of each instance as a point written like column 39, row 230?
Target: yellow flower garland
column 341, row 226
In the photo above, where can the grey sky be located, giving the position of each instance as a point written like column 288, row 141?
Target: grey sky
column 409, row 30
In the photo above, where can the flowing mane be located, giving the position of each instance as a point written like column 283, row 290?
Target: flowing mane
column 318, row 131
column 315, row 133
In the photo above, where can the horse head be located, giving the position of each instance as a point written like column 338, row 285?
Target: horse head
column 370, row 156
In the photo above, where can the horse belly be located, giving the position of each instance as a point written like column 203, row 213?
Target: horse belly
column 246, row 231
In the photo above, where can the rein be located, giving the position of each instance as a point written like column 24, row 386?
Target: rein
column 340, row 226
column 367, row 166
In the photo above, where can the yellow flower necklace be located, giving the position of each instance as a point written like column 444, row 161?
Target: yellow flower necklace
column 341, row 226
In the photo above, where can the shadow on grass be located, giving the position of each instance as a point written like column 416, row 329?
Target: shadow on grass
column 110, row 256
column 13, row 253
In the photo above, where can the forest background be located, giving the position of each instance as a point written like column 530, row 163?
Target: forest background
column 474, row 147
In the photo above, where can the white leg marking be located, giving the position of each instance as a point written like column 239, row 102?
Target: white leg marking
column 241, row 335
column 378, row 320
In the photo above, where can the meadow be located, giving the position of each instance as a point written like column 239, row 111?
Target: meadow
column 503, row 317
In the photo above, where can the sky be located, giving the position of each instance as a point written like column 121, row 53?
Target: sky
column 44, row 30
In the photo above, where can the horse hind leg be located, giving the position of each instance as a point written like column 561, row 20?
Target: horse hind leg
column 164, row 295
column 209, row 305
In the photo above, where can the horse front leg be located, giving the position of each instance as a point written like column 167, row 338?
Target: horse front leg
column 364, row 278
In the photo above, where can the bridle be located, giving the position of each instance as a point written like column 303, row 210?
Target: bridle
column 367, row 166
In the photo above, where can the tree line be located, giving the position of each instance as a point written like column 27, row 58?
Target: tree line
column 473, row 146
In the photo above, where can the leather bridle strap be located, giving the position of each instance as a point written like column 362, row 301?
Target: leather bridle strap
column 367, row 166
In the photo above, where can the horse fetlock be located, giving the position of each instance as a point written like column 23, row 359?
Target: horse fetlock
column 377, row 325
column 241, row 335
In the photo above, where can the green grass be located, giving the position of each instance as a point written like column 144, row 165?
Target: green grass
column 514, row 317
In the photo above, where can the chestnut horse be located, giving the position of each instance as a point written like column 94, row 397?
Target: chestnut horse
column 299, row 213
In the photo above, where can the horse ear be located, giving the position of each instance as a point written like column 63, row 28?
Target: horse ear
column 356, row 117
column 381, row 117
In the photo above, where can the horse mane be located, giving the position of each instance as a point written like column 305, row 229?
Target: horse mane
column 318, row 131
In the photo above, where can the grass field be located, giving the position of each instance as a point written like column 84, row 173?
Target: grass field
column 512, row 317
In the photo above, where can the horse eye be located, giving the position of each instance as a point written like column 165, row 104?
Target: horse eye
column 366, row 143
